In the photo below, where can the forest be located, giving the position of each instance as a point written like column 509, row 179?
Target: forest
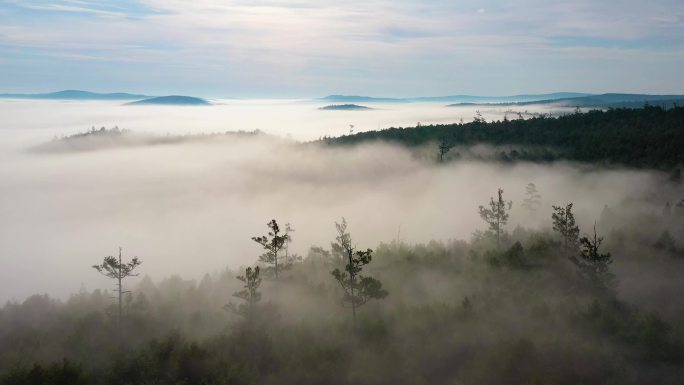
column 647, row 137
column 550, row 305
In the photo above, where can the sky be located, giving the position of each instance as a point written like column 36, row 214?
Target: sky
column 309, row 48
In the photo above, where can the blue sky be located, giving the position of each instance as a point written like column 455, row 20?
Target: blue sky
column 303, row 48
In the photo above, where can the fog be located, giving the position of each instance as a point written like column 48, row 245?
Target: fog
column 33, row 121
column 448, row 301
column 191, row 208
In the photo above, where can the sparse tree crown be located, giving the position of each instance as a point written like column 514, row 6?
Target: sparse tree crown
column 592, row 264
column 250, row 294
column 273, row 243
column 114, row 268
column 496, row 215
column 532, row 200
column 444, row 146
column 358, row 289
column 564, row 224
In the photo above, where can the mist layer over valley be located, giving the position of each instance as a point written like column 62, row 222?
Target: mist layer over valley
column 461, row 304
column 35, row 121
column 129, row 197
column 230, row 192
column 205, row 199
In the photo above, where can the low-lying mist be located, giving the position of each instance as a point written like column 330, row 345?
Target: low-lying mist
column 32, row 121
column 191, row 208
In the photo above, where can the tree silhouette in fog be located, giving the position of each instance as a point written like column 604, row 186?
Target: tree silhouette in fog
column 250, row 294
column 444, row 146
column 564, row 224
column 496, row 215
column 273, row 243
column 114, row 268
column 592, row 264
column 358, row 289
column 532, row 201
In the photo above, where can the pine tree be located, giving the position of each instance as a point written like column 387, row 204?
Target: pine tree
column 288, row 259
column 593, row 265
column 273, row 243
column 564, row 224
column 496, row 215
column 532, row 200
column 358, row 289
column 114, row 268
column 250, row 294
column 444, row 146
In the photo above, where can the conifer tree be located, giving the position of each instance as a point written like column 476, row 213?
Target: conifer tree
column 564, row 224
column 358, row 289
column 532, row 200
column 250, row 294
column 114, row 268
column 496, row 215
column 273, row 243
column 288, row 259
column 593, row 265
column 444, row 146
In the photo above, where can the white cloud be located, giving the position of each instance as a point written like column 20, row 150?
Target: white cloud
column 318, row 41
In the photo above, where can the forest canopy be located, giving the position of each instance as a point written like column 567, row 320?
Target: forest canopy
column 647, row 137
column 509, row 306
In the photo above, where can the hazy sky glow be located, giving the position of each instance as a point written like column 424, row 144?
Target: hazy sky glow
column 302, row 48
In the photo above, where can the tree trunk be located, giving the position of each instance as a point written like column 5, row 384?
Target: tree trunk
column 498, row 233
column 352, row 279
column 275, row 258
column 120, row 289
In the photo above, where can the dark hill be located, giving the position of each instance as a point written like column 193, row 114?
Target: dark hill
column 454, row 98
column 173, row 100
column 76, row 95
column 598, row 101
column 649, row 137
column 345, row 107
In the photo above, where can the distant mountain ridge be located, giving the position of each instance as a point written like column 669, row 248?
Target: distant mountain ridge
column 454, row 98
column 174, row 100
column 103, row 138
column 344, row 107
column 602, row 100
column 76, row 95
column 122, row 96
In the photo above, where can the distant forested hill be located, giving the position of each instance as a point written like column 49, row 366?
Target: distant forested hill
column 344, row 107
column 591, row 101
column 174, row 100
column 75, row 95
column 644, row 137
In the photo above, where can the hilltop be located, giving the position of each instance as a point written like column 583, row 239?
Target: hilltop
column 454, row 98
column 103, row 138
column 345, row 107
column 76, row 95
column 175, row 100
column 597, row 101
column 650, row 137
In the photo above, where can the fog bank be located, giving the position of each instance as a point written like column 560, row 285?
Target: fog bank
column 191, row 208
column 34, row 121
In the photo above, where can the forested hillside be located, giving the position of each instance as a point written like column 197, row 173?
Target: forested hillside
column 556, row 305
column 648, row 137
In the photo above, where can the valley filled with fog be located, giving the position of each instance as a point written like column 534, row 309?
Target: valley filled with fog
column 191, row 208
column 33, row 121
column 230, row 192
column 509, row 241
